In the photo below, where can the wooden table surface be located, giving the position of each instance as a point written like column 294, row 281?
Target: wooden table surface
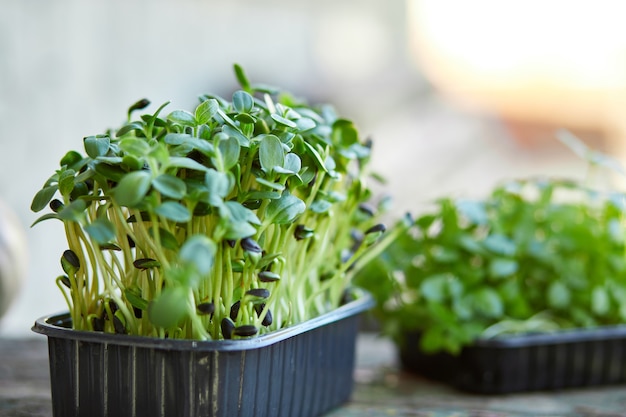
column 381, row 389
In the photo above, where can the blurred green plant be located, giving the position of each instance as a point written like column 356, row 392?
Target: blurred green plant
column 237, row 218
column 535, row 255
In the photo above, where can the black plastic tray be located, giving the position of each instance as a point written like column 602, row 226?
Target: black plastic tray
column 304, row 370
column 532, row 362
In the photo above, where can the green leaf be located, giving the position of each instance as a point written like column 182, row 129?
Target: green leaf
column 273, row 185
column 174, row 211
column 96, row 146
column 206, row 110
column 73, row 211
column 229, row 148
column 169, row 308
column 132, row 163
column 241, row 77
column 344, row 133
column 178, row 139
column 432, row 340
column 134, row 298
column 245, row 119
column 235, row 133
column 488, row 302
column 473, row 210
column 600, row 303
column 316, row 156
column 283, row 121
column 304, row 124
column 219, row 185
column 320, row 206
column 502, row 267
column 101, row 230
column 238, row 212
column 284, row 210
column 129, row 127
column 110, row 172
column 71, row 158
column 182, row 117
column 166, row 239
column 170, row 186
column 200, row 251
column 243, row 102
column 132, row 188
column 433, row 288
column 500, row 245
column 292, row 164
column 42, row 198
column 66, row 182
column 559, row 295
column 271, row 153
column 46, row 216
column 236, row 230
column 135, row 146
column 183, row 162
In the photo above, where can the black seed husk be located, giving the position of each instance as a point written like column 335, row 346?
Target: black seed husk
column 131, row 242
column 234, row 310
column 141, row 104
column 231, row 243
column 227, row 327
column 56, row 205
column 246, row 330
column 65, row 280
column 110, row 246
column 138, row 312
column 144, row 216
column 267, row 320
column 113, row 306
column 250, row 245
column 356, row 236
column 252, row 204
column 118, row 325
column 259, row 292
column 205, row 308
column 376, row 228
column 71, row 257
column 367, row 209
column 98, row 324
column 146, row 263
column 302, row 232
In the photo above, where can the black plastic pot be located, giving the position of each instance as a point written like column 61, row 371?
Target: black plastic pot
column 304, row 370
column 532, row 362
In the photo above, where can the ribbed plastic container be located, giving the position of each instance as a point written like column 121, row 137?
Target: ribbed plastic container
column 304, row 370
column 532, row 362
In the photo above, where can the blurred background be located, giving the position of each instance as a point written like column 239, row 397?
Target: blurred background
column 457, row 96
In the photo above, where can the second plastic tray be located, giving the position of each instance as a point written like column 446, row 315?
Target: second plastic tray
column 533, row 362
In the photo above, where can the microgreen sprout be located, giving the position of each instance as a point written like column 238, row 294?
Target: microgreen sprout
column 535, row 255
column 227, row 221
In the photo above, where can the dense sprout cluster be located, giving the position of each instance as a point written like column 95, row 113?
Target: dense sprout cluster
column 533, row 256
column 239, row 217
